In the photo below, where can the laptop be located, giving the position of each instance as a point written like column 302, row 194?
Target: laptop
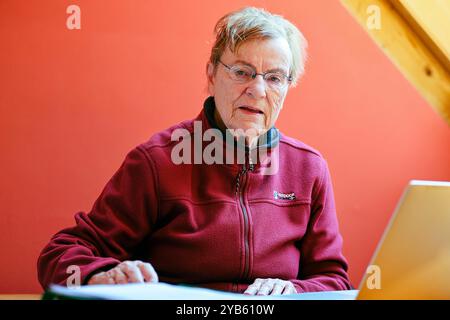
column 412, row 259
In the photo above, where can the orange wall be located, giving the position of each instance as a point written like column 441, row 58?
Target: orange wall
column 73, row 102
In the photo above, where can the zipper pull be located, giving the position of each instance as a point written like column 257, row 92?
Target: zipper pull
column 248, row 159
column 238, row 179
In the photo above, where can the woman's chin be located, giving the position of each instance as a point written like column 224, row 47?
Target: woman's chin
column 251, row 128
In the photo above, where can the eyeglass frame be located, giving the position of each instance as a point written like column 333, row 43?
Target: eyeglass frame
column 254, row 74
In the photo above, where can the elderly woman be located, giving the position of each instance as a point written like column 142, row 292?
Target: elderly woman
column 227, row 225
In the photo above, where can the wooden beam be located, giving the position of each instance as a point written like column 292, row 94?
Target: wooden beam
column 420, row 54
column 431, row 21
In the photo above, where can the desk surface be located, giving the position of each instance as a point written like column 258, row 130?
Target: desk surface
column 34, row 296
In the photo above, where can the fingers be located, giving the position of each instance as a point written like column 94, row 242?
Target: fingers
column 270, row 287
column 148, row 272
column 127, row 272
column 265, row 288
column 289, row 289
column 132, row 272
column 101, row 278
column 278, row 287
column 254, row 287
column 117, row 276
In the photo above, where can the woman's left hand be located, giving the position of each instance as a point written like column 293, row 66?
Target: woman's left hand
column 270, row 286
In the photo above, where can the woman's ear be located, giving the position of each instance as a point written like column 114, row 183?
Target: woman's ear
column 210, row 77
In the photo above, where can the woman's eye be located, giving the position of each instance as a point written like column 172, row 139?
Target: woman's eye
column 242, row 73
column 275, row 78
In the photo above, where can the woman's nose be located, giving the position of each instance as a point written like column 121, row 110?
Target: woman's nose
column 257, row 87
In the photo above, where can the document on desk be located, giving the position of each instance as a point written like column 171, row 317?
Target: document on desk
column 165, row 291
column 147, row 291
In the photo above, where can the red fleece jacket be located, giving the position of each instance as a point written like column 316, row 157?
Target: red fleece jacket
column 214, row 226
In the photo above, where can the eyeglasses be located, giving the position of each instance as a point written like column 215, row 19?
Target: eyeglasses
column 243, row 74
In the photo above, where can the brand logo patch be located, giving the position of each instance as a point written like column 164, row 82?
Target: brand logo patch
column 284, row 196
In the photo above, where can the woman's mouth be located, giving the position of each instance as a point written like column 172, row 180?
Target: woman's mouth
column 250, row 110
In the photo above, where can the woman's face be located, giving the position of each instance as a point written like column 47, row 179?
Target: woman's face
column 255, row 104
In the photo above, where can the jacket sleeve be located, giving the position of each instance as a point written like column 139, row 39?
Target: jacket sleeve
column 119, row 220
column 322, row 266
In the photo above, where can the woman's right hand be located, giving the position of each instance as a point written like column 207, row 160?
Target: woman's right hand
column 126, row 272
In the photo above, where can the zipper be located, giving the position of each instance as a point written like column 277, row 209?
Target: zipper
column 239, row 194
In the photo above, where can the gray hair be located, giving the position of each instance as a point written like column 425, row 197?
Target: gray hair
column 237, row 27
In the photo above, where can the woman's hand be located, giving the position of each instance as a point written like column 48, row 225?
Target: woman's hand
column 269, row 286
column 126, row 272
